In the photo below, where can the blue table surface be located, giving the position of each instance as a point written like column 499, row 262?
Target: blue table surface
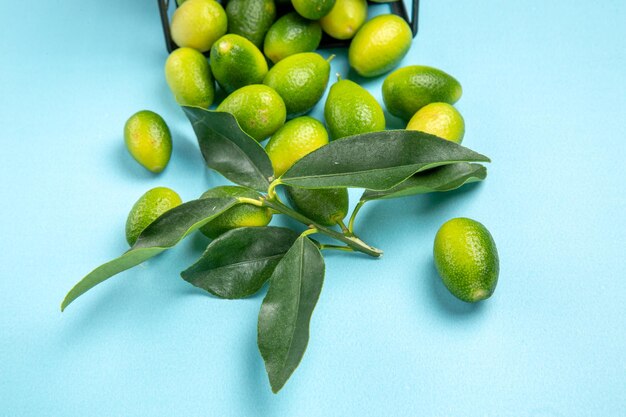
column 544, row 96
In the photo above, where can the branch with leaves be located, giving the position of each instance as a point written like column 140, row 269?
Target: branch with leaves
column 387, row 164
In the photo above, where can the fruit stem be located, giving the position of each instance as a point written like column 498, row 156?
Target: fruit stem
column 310, row 231
column 245, row 200
column 353, row 215
column 330, row 58
column 352, row 241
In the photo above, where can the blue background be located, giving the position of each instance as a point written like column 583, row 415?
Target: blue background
column 544, row 97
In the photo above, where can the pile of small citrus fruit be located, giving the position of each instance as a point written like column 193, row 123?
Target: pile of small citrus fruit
column 265, row 63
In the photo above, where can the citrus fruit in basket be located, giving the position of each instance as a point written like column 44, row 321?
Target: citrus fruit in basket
column 198, row 23
column 324, row 206
column 297, row 138
column 345, row 18
column 291, row 34
column 301, row 80
column 243, row 215
column 236, row 62
column 439, row 119
column 379, row 45
column 189, row 77
column 259, row 110
column 313, row 9
column 148, row 140
column 250, row 18
column 467, row 259
column 350, row 110
column 147, row 209
column 408, row 89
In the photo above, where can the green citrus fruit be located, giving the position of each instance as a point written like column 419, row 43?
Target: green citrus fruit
column 236, row 62
column 291, row 34
column 147, row 209
column 350, row 110
column 324, row 206
column 189, row 77
column 242, row 215
column 298, row 137
column 148, row 140
column 345, row 18
column 408, row 89
column 250, row 18
column 467, row 259
column 439, row 119
column 313, row 9
column 259, row 110
column 379, row 45
column 198, row 23
column 301, row 80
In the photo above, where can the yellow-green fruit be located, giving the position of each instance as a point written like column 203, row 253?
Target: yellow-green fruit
column 259, row 110
column 379, row 45
column 250, row 18
column 467, row 259
column 147, row 209
column 439, row 119
column 148, row 140
column 298, row 137
column 324, row 206
column 189, row 77
column 408, row 89
column 345, row 18
column 198, row 23
column 291, row 34
column 313, row 9
column 350, row 110
column 301, row 80
column 236, row 62
column 242, row 215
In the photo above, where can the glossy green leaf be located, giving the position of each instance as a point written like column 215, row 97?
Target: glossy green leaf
column 286, row 311
column 375, row 161
column 444, row 178
column 237, row 264
column 230, row 151
column 162, row 234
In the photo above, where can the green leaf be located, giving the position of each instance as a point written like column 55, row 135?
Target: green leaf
column 237, row 264
column 295, row 287
column 230, row 151
column 444, row 178
column 165, row 232
column 375, row 161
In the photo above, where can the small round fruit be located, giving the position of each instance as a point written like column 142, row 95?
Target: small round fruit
column 198, row 23
column 326, row 206
column 250, row 18
column 242, row 215
column 313, row 9
column 147, row 209
column 408, row 89
column 148, row 140
column 259, row 110
column 189, row 77
column 380, row 45
column 301, row 80
column 439, row 119
column 291, row 34
column 466, row 259
column 351, row 110
column 297, row 138
column 237, row 62
column 345, row 18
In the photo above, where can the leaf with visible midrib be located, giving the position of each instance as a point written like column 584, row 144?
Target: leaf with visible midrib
column 237, row 264
column 283, row 330
column 444, row 178
column 375, row 161
column 229, row 150
column 162, row 234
